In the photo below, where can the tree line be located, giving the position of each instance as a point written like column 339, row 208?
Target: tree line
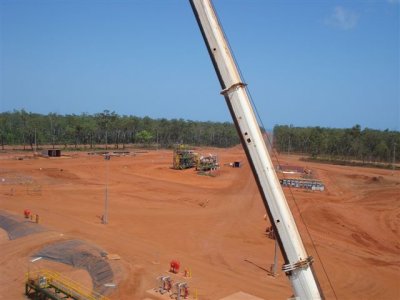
column 28, row 129
column 20, row 127
column 367, row 145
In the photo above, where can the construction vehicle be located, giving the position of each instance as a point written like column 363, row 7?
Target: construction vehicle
column 298, row 265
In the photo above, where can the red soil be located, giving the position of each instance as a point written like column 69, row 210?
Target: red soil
column 214, row 226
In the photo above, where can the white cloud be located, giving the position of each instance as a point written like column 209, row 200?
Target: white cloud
column 342, row 18
column 393, row 1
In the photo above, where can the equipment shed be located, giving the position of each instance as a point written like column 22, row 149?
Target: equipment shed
column 51, row 152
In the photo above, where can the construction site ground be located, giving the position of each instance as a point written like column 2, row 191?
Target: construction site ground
column 213, row 225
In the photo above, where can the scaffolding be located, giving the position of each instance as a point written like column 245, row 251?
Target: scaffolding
column 184, row 158
column 45, row 284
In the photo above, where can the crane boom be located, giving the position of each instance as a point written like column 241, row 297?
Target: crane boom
column 297, row 263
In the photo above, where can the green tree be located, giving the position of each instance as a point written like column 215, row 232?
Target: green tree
column 144, row 137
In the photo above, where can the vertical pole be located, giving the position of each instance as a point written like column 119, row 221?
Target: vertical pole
column 105, row 216
column 178, row 296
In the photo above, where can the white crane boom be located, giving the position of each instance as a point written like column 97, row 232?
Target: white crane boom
column 297, row 263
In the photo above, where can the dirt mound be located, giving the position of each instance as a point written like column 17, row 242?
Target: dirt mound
column 377, row 179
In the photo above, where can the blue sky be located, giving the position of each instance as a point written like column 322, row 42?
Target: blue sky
column 307, row 63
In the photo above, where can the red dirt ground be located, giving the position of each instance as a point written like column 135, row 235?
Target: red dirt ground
column 213, row 225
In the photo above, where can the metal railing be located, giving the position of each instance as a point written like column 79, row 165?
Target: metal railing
column 64, row 284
